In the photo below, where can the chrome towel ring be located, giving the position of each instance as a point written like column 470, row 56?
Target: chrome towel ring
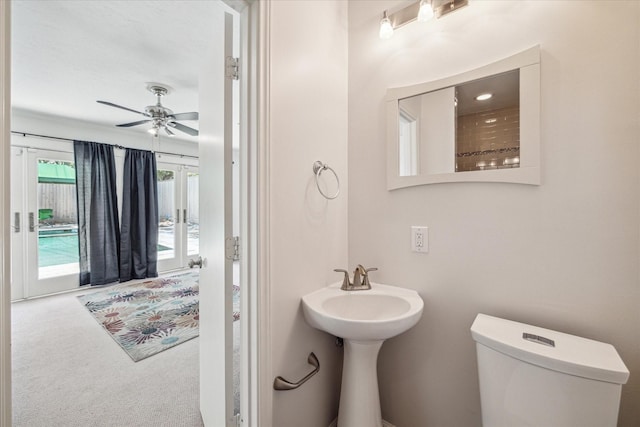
column 318, row 168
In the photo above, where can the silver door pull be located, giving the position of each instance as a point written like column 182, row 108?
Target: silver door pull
column 32, row 222
column 280, row 383
column 197, row 262
column 16, row 222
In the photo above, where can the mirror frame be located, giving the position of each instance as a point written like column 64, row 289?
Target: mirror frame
column 528, row 62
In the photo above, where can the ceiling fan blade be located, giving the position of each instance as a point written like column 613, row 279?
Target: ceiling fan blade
column 166, row 129
column 185, row 116
column 183, row 128
column 127, row 125
column 111, row 104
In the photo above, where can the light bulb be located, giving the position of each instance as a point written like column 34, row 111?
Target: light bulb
column 484, row 97
column 425, row 12
column 386, row 29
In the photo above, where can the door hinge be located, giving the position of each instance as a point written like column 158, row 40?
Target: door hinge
column 232, row 248
column 232, row 68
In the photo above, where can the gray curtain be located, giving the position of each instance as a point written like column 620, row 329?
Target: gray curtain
column 139, row 230
column 98, row 231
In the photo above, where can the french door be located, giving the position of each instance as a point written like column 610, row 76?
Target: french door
column 44, row 223
column 178, row 215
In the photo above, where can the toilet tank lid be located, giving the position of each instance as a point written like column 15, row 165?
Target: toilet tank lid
column 570, row 354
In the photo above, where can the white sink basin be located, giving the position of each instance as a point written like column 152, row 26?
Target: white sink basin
column 376, row 314
column 364, row 319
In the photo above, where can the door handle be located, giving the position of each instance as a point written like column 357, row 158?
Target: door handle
column 177, row 216
column 16, row 222
column 197, row 262
column 32, row 222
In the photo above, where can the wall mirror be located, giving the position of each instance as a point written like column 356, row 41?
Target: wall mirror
column 479, row 126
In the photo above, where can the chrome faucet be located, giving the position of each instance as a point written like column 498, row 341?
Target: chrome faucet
column 360, row 279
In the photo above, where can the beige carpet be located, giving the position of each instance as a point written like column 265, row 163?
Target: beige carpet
column 68, row 372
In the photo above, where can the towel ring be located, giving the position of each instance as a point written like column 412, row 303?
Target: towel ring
column 318, row 168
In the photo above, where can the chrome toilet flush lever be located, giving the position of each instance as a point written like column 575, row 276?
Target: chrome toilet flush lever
column 360, row 279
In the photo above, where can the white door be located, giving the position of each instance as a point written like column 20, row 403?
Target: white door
column 18, row 208
column 178, row 215
column 215, row 151
column 44, row 248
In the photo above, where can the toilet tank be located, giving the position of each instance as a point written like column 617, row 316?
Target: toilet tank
column 536, row 377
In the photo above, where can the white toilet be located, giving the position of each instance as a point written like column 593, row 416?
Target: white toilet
column 535, row 377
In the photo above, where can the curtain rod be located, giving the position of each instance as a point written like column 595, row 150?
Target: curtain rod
column 115, row 145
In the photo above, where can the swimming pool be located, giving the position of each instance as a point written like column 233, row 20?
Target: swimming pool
column 57, row 249
column 62, row 248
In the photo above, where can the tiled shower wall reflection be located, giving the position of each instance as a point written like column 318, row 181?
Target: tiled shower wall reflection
column 488, row 140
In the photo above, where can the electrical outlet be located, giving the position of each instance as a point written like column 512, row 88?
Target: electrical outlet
column 419, row 239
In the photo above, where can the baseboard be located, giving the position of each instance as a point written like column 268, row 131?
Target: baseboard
column 334, row 423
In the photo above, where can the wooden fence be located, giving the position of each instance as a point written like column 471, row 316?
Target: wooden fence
column 61, row 199
column 167, row 203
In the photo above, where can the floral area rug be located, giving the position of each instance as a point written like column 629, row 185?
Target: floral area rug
column 148, row 317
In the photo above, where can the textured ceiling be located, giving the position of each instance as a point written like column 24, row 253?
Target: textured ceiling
column 68, row 54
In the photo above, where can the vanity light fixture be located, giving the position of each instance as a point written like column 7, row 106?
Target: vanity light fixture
column 386, row 29
column 422, row 11
column 425, row 12
column 484, row 96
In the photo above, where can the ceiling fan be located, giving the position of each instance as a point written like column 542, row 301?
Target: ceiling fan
column 159, row 116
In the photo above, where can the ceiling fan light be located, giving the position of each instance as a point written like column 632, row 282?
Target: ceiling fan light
column 159, row 116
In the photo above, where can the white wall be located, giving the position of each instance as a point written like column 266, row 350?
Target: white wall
column 563, row 255
column 308, row 234
column 62, row 127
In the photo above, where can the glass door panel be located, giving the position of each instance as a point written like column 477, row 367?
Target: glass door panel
column 193, row 213
column 45, row 257
column 168, row 217
column 57, row 218
column 178, row 214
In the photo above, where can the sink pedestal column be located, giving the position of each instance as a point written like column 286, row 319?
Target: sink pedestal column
column 359, row 396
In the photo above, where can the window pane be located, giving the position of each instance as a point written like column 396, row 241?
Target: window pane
column 166, row 214
column 193, row 214
column 57, row 219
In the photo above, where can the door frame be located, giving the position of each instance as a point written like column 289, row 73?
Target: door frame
column 256, row 363
column 259, row 147
column 256, row 367
column 5, row 254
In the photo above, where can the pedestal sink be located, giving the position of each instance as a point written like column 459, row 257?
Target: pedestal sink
column 364, row 319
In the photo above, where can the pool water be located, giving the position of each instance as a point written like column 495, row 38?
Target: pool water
column 61, row 249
